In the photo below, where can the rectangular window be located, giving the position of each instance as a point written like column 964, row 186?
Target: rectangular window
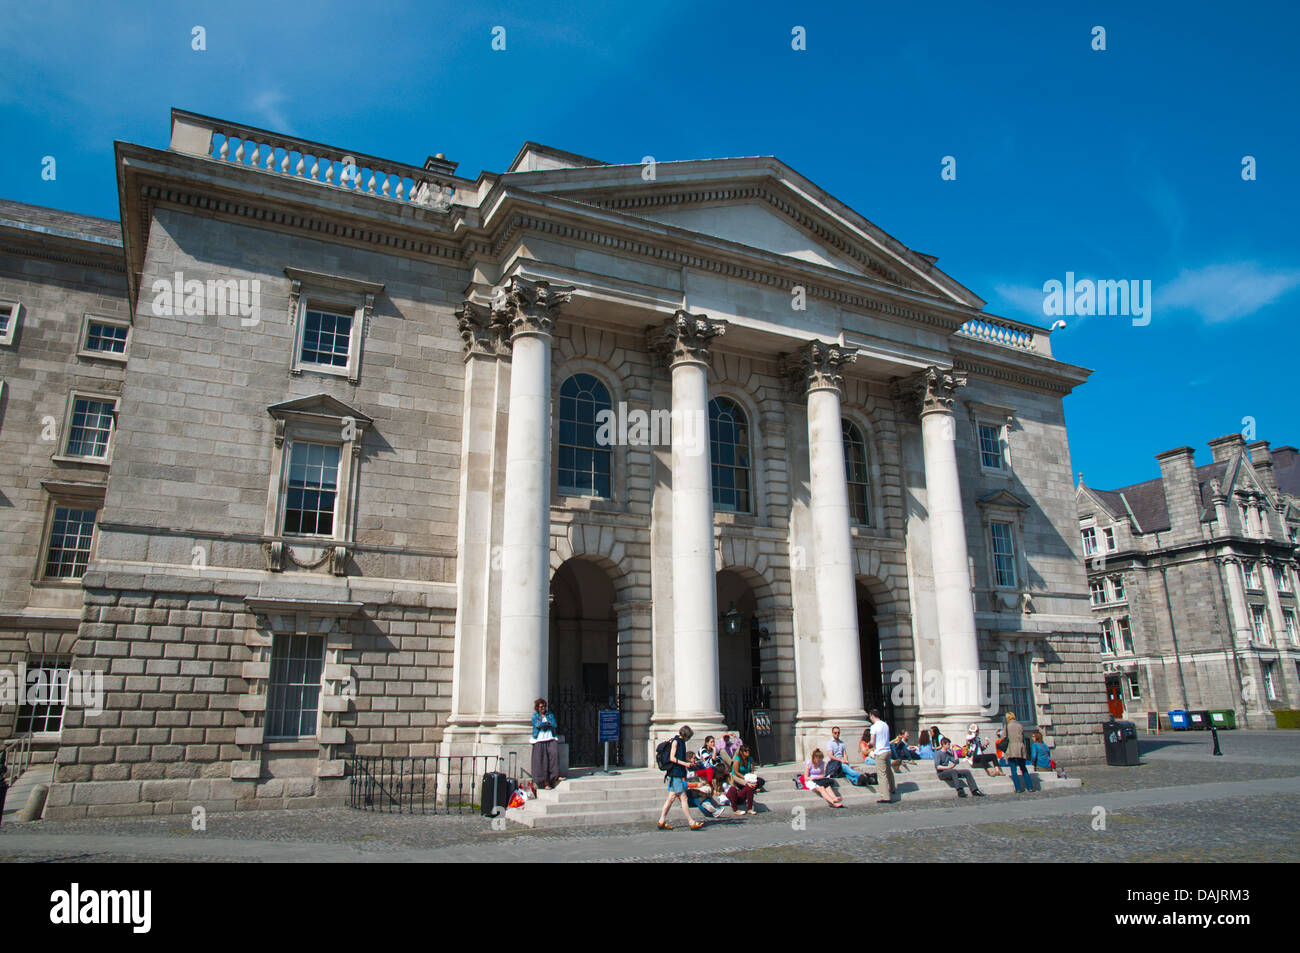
column 293, row 689
column 1117, row 583
column 89, row 428
column 1292, row 630
column 1282, row 577
column 9, row 312
column 312, row 489
column 1134, row 689
column 1089, row 541
column 45, row 694
column 71, row 533
column 326, row 336
column 1110, row 539
column 1107, row 638
column 103, row 337
column 990, row 446
column 1004, row 555
column 1268, row 681
column 1097, row 591
column 1258, row 624
column 1022, row 688
column 1125, row 635
column 1252, row 577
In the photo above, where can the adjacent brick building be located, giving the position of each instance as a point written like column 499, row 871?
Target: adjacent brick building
column 1192, row 580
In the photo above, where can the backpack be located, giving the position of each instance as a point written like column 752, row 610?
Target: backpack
column 664, row 754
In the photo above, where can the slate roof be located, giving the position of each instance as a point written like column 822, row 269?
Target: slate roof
column 1286, row 468
column 36, row 218
column 1147, row 499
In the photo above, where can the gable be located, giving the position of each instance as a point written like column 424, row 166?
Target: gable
column 756, row 225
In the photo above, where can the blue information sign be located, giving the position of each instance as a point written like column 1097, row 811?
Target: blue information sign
column 609, row 724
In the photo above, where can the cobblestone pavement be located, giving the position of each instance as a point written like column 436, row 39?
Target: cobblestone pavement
column 1235, row 811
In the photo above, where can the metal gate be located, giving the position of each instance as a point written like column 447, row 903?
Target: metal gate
column 577, row 715
column 737, row 703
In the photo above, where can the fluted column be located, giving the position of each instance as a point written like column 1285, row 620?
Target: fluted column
column 683, row 343
column 531, row 309
column 1273, row 601
column 817, row 373
column 934, row 391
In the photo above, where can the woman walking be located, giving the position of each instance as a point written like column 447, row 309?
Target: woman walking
column 679, row 762
column 546, row 750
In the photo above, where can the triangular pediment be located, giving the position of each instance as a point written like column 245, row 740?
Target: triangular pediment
column 757, row 202
column 318, row 405
column 1003, row 499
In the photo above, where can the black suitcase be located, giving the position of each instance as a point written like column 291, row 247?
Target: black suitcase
column 496, row 792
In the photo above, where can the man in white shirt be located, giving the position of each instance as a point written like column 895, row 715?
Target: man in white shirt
column 881, row 753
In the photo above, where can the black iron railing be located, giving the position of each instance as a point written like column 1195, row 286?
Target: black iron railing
column 435, row 785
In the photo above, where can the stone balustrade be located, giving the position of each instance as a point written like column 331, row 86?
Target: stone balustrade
column 328, row 166
column 1007, row 333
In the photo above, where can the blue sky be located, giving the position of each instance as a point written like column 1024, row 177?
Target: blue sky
column 1120, row 164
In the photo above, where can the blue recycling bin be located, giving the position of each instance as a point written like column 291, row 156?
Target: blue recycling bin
column 1178, row 720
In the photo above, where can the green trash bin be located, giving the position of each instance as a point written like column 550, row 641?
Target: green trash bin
column 1223, row 718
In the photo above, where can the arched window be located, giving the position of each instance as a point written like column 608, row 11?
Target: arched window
column 584, row 463
column 729, row 451
column 857, row 471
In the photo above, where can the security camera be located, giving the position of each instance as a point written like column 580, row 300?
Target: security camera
column 1058, row 326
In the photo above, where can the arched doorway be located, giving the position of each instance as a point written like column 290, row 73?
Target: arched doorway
column 875, row 692
column 742, row 683
column 583, row 673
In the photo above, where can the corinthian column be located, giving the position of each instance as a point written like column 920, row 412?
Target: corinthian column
column 934, row 389
column 683, row 342
column 531, row 309
column 817, row 372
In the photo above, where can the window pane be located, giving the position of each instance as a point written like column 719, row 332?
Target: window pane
column 325, row 338
column 92, row 422
column 729, row 451
column 857, row 473
column 293, row 692
column 585, row 463
column 71, row 533
column 309, row 498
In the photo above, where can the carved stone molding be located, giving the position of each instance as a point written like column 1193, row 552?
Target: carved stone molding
column 484, row 331
column 684, row 337
column 530, row 307
column 933, row 389
column 817, row 366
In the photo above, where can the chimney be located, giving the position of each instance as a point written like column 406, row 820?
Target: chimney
column 1262, row 461
column 1224, row 447
column 1182, row 495
column 1284, row 458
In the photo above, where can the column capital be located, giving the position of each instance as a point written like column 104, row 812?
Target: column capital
column 933, row 389
column 818, row 366
column 529, row 307
column 484, row 332
column 684, row 337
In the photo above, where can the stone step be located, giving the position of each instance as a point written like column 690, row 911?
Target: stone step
column 636, row 796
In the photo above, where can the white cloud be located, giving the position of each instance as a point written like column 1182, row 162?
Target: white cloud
column 1225, row 292
column 266, row 105
column 1024, row 298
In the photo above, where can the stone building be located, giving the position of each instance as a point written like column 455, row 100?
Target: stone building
column 1192, row 579
column 397, row 451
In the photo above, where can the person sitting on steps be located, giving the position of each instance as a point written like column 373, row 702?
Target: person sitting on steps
column 946, row 765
